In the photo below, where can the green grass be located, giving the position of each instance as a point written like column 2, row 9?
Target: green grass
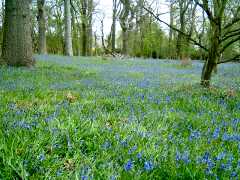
column 85, row 118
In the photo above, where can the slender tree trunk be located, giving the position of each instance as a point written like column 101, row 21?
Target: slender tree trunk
column 84, row 28
column 90, row 33
column 170, row 40
column 102, row 36
column 17, row 43
column 42, row 47
column 115, row 5
column 181, row 38
column 125, row 41
column 68, row 30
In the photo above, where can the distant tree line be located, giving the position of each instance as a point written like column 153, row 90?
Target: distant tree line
column 198, row 29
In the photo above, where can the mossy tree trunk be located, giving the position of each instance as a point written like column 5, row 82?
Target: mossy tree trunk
column 42, row 47
column 213, row 54
column 17, row 43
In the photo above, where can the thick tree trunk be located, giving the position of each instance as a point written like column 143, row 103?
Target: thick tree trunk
column 213, row 54
column 17, row 43
column 42, row 47
column 68, row 26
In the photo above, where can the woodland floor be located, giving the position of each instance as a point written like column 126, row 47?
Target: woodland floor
column 86, row 118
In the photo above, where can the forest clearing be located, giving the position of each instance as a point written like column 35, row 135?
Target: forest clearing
column 119, row 89
column 137, row 119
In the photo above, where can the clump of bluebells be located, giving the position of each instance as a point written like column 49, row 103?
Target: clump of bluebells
column 85, row 118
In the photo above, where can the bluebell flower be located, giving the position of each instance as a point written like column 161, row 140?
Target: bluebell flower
column 206, row 157
column 185, row 157
column 223, row 166
column 41, row 157
column 216, row 133
column 168, row 99
column 194, row 135
column 134, row 148
column 129, row 165
column 49, row 118
column 139, row 155
column 235, row 122
column 84, row 177
column 234, row 174
column 220, row 156
column 225, row 137
column 124, row 143
column 148, row 165
column 113, row 177
column 59, row 173
column 106, row 145
column 178, row 156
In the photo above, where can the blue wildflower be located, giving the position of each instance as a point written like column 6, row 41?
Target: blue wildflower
column 148, row 165
column 234, row 174
column 59, row 173
column 168, row 99
column 134, row 148
column 124, row 143
column 194, row 135
column 139, row 155
column 185, row 157
column 225, row 137
column 106, row 145
column 216, row 133
column 41, row 157
column 178, row 156
column 221, row 156
column 129, row 165
column 84, row 177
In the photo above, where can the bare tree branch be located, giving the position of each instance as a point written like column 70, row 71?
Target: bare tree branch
column 235, row 58
column 175, row 29
column 229, row 43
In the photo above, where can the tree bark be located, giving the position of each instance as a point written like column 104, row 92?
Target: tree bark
column 124, row 41
column 124, row 22
column 42, row 47
column 170, row 40
column 115, row 7
column 68, row 26
column 213, row 54
column 17, row 43
column 84, row 27
column 90, row 33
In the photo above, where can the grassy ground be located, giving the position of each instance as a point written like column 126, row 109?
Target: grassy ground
column 92, row 119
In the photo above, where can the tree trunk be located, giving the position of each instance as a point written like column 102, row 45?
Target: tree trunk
column 124, row 41
column 68, row 26
column 84, row 28
column 181, row 38
column 115, row 2
column 213, row 54
column 90, row 33
column 84, row 39
column 170, row 40
column 17, row 43
column 42, row 47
